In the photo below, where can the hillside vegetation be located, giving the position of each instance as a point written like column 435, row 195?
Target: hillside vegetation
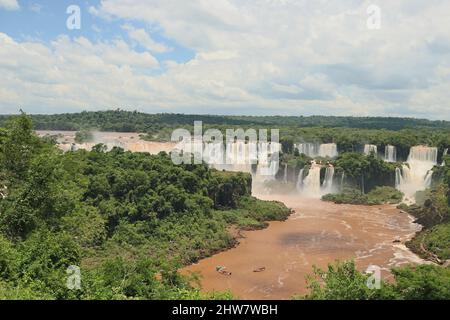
column 127, row 220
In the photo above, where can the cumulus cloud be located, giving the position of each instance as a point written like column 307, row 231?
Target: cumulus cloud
column 272, row 56
column 74, row 74
column 9, row 4
column 144, row 39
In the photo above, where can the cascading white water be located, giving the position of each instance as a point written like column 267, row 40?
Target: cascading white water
column 285, row 174
column 416, row 174
column 314, row 150
column 342, row 180
column 370, row 148
column 327, row 186
column 390, row 153
column 328, row 150
column 311, row 184
column 398, row 178
column 268, row 164
column 308, row 149
column 300, row 180
column 443, row 156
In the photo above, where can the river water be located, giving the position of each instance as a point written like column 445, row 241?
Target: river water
column 317, row 233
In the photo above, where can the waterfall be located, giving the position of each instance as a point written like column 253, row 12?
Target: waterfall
column 266, row 171
column 311, row 184
column 328, row 150
column 300, row 180
column 285, row 174
column 308, row 149
column 443, row 156
column 428, row 178
column 327, row 186
column 398, row 178
column 273, row 168
column 416, row 174
column 390, row 153
column 342, row 180
column 314, row 150
column 370, row 148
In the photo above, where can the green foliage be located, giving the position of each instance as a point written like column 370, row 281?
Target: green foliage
column 365, row 172
column 228, row 187
column 379, row 195
column 121, row 120
column 8, row 258
column 350, row 196
column 18, row 146
column 253, row 214
column 423, row 282
column 383, row 195
column 437, row 240
column 341, row 281
column 128, row 220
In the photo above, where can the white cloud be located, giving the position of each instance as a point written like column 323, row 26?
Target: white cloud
column 9, row 4
column 74, row 74
column 284, row 56
column 144, row 39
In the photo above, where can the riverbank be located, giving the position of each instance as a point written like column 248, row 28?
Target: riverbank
column 317, row 233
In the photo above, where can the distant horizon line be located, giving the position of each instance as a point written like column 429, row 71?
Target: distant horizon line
column 223, row 115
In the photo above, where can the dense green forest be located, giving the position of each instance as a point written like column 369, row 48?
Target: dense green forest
column 133, row 121
column 342, row 281
column 379, row 195
column 126, row 121
column 128, row 220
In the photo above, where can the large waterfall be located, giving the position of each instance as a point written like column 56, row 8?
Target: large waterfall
column 313, row 150
column 310, row 185
column 370, row 148
column 390, row 153
column 416, row 172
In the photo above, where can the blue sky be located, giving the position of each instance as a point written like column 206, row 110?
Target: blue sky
column 46, row 20
column 228, row 57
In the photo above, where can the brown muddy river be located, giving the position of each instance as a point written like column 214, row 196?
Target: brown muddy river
column 316, row 234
